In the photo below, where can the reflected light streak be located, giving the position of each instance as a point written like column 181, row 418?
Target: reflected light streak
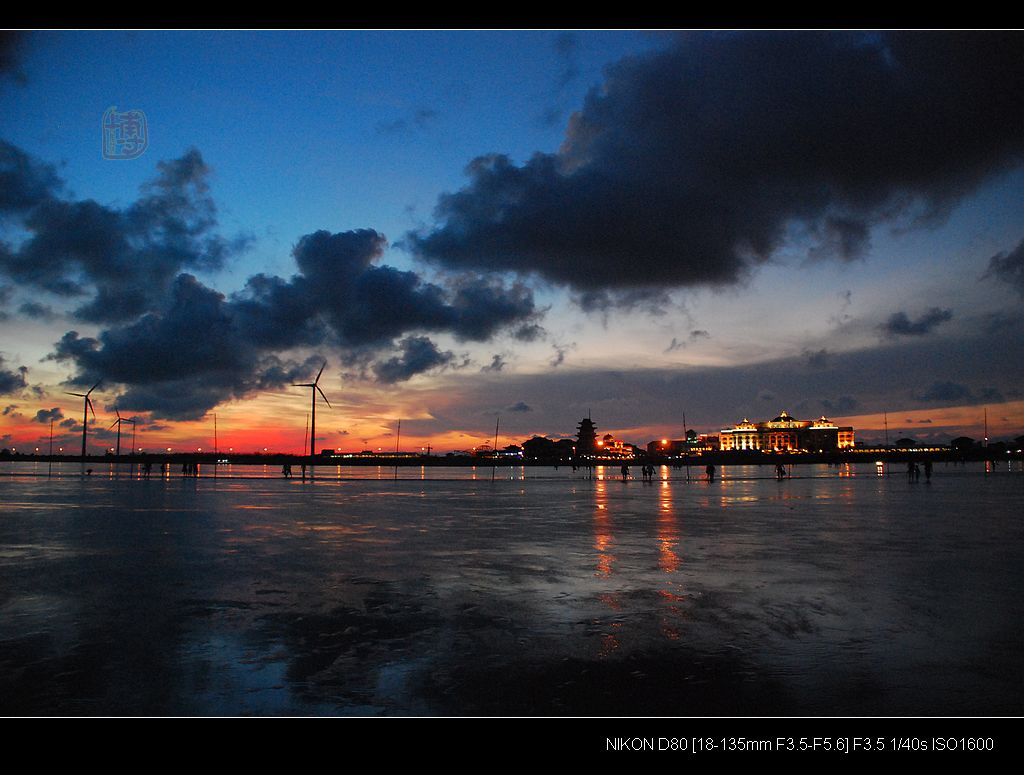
column 668, row 531
column 603, row 539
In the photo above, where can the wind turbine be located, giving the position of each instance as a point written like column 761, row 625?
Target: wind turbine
column 118, row 422
column 85, row 413
column 314, row 389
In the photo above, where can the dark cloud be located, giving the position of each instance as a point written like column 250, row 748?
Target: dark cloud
column 519, row 406
column 11, row 411
column 1009, row 267
column 951, row 392
column 24, row 181
column 943, row 392
column 200, row 348
column 699, row 334
column 365, row 304
column 44, row 416
column 12, row 44
column 123, row 260
column 529, row 332
column 34, row 309
column 182, row 360
column 12, row 381
column 840, row 406
column 674, row 345
column 418, row 355
column 990, row 394
column 899, row 324
column 652, row 300
column 689, row 166
column 69, row 423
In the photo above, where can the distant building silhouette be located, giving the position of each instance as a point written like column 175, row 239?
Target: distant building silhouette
column 586, row 437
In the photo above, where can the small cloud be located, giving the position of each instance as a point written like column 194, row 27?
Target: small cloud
column 519, row 406
column 1008, row 267
column 419, row 354
column 497, row 363
column 695, row 335
column 47, row 415
column 12, row 381
column 419, row 120
column 11, row 411
column 560, row 352
column 899, row 324
column 70, row 422
column 529, row 332
column 765, row 395
column 37, row 311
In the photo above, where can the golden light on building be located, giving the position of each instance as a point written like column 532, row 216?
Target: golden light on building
column 787, row 434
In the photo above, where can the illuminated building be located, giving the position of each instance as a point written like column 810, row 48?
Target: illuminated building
column 785, row 433
column 609, row 446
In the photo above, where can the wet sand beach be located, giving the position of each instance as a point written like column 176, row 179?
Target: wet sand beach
column 834, row 592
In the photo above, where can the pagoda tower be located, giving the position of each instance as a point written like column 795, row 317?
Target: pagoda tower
column 586, row 437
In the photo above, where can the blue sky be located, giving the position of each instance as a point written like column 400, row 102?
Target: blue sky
column 302, row 132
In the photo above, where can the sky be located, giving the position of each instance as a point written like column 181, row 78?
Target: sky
column 518, row 228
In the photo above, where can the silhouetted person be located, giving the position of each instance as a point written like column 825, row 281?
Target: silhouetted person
column 780, row 471
column 927, row 470
column 710, row 471
column 910, row 472
column 625, row 472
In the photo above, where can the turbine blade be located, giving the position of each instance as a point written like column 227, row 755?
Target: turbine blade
column 118, row 414
column 320, row 372
column 318, row 390
column 116, row 422
column 89, row 404
column 303, row 384
column 80, row 395
column 94, row 387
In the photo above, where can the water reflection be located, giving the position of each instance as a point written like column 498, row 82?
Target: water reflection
column 603, row 539
column 668, row 530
